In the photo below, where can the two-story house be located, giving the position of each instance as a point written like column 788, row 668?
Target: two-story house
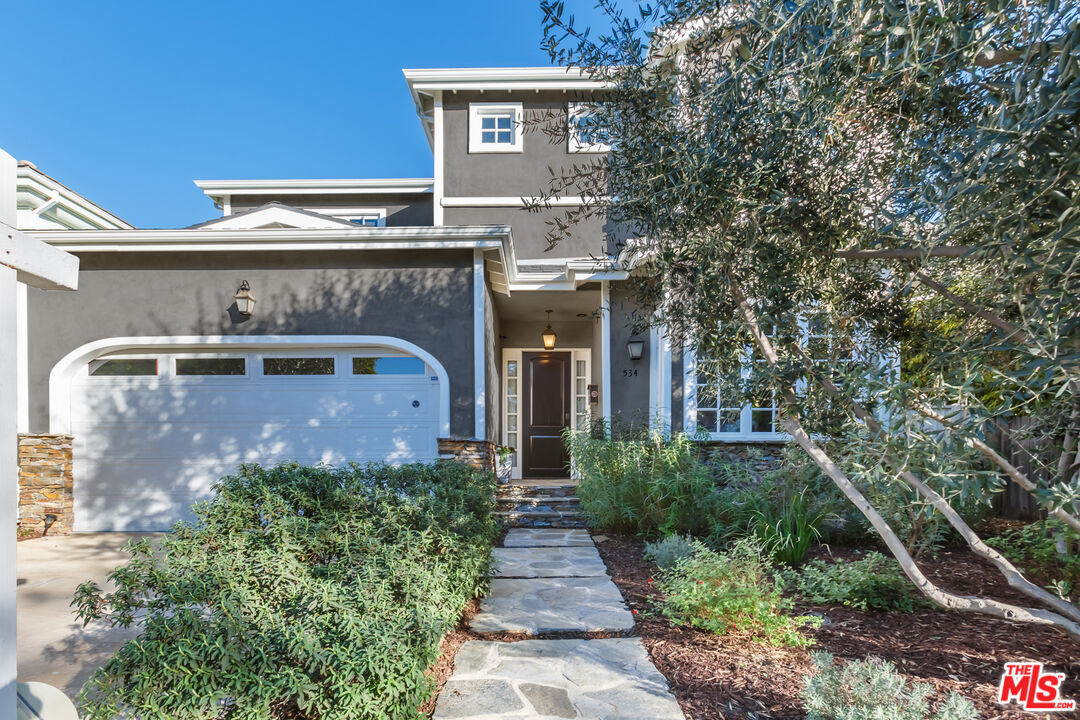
column 353, row 320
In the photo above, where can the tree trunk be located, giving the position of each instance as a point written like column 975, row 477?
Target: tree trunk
column 888, row 535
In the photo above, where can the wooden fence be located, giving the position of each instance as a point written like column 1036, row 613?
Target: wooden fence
column 1020, row 443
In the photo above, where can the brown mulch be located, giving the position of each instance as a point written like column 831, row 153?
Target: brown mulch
column 730, row 676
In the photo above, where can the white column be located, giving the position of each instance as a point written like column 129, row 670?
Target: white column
column 22, row 360
column 479, row 376
column 660, row 378
column 9, row 490
column 438, row 149
column 605, row 348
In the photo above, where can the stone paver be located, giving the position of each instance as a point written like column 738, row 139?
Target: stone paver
column 609, row 679
column 553, row 580
column 529, row 562
column 547, row 537
column 542, row 605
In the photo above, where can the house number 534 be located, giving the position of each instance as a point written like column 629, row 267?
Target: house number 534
column 629, row 372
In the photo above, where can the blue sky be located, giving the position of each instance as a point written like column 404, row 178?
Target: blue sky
column 128, row 102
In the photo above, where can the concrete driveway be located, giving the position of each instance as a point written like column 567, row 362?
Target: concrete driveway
column 53, row 646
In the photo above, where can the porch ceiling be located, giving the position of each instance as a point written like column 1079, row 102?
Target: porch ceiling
column 564, row 305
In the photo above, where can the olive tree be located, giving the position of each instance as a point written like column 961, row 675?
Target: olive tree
column 812, row 185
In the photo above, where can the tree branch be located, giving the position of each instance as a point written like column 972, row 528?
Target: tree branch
column 1008, row 468
column 887, row 534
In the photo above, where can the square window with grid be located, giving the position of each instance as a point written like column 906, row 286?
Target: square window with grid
column 497, row 129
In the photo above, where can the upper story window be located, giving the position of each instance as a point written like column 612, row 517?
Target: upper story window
column 583, row 133
column 367, row 218
column 495, row 127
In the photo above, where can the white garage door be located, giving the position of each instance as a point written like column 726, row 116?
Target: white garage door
column 153, row 432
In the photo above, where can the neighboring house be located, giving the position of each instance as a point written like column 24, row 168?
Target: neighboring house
column 389, row 315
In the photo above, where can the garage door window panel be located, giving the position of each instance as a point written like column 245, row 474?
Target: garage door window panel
column 305, row 366
column 124, row 367
column 211, row 366
column 388, row 366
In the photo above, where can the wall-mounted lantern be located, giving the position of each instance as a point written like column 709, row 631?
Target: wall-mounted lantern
column 635, row 347
column 245, row 299
column 548, row 335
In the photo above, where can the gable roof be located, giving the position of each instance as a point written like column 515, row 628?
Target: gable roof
column 273, row 215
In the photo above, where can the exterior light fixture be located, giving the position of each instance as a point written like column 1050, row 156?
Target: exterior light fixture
column 245, row 299
column 635, row 347
column 548, row 335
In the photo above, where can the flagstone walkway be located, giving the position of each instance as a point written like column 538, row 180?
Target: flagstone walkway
column 553, row 581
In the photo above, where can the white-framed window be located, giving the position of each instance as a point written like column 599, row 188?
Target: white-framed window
column 375, row 217
column 581, row 135
column 708, row 406
column 495, row 127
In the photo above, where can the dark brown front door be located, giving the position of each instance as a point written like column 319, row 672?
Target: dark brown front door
column 545, row 414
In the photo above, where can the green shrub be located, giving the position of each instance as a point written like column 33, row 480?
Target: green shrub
column 297, row 591
column 643, row 484
column 667, row 552
column 787, row 528
column 873, row 690
column 874, row 582
column 730, row 591
column 1047, row 548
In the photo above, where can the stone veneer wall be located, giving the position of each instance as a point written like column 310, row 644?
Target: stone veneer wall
column 759, row 458
column 45, row 484
column 480, row 454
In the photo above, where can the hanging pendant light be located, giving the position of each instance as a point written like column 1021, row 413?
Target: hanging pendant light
column 548, row 335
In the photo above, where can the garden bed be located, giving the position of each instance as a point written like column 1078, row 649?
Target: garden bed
column 730, row 676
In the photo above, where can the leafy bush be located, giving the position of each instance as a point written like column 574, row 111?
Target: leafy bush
column 667, row 552
column 643, row 484
column 1048, row 548
column 874, row 582
column 299, row 592
column 873, row 689
column 730, row 591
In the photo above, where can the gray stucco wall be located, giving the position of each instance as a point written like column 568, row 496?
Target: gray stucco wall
column 401, row 210
column 586, row 239
column 629, row 378
column 425, row 298
column 523, row 174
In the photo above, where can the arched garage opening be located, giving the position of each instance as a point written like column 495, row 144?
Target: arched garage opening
column 155, row 421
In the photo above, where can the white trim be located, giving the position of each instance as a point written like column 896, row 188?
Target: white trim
column 39, row 263
column 345, row 237
column 605, row 348
column 22, row 360
column 503, row 78
column 479, row 110
column 270, row 215
column 63, row 373
column 438, row 151
column 511, row 201
column 479, row 376
column 335, row 186
column 660, row 378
